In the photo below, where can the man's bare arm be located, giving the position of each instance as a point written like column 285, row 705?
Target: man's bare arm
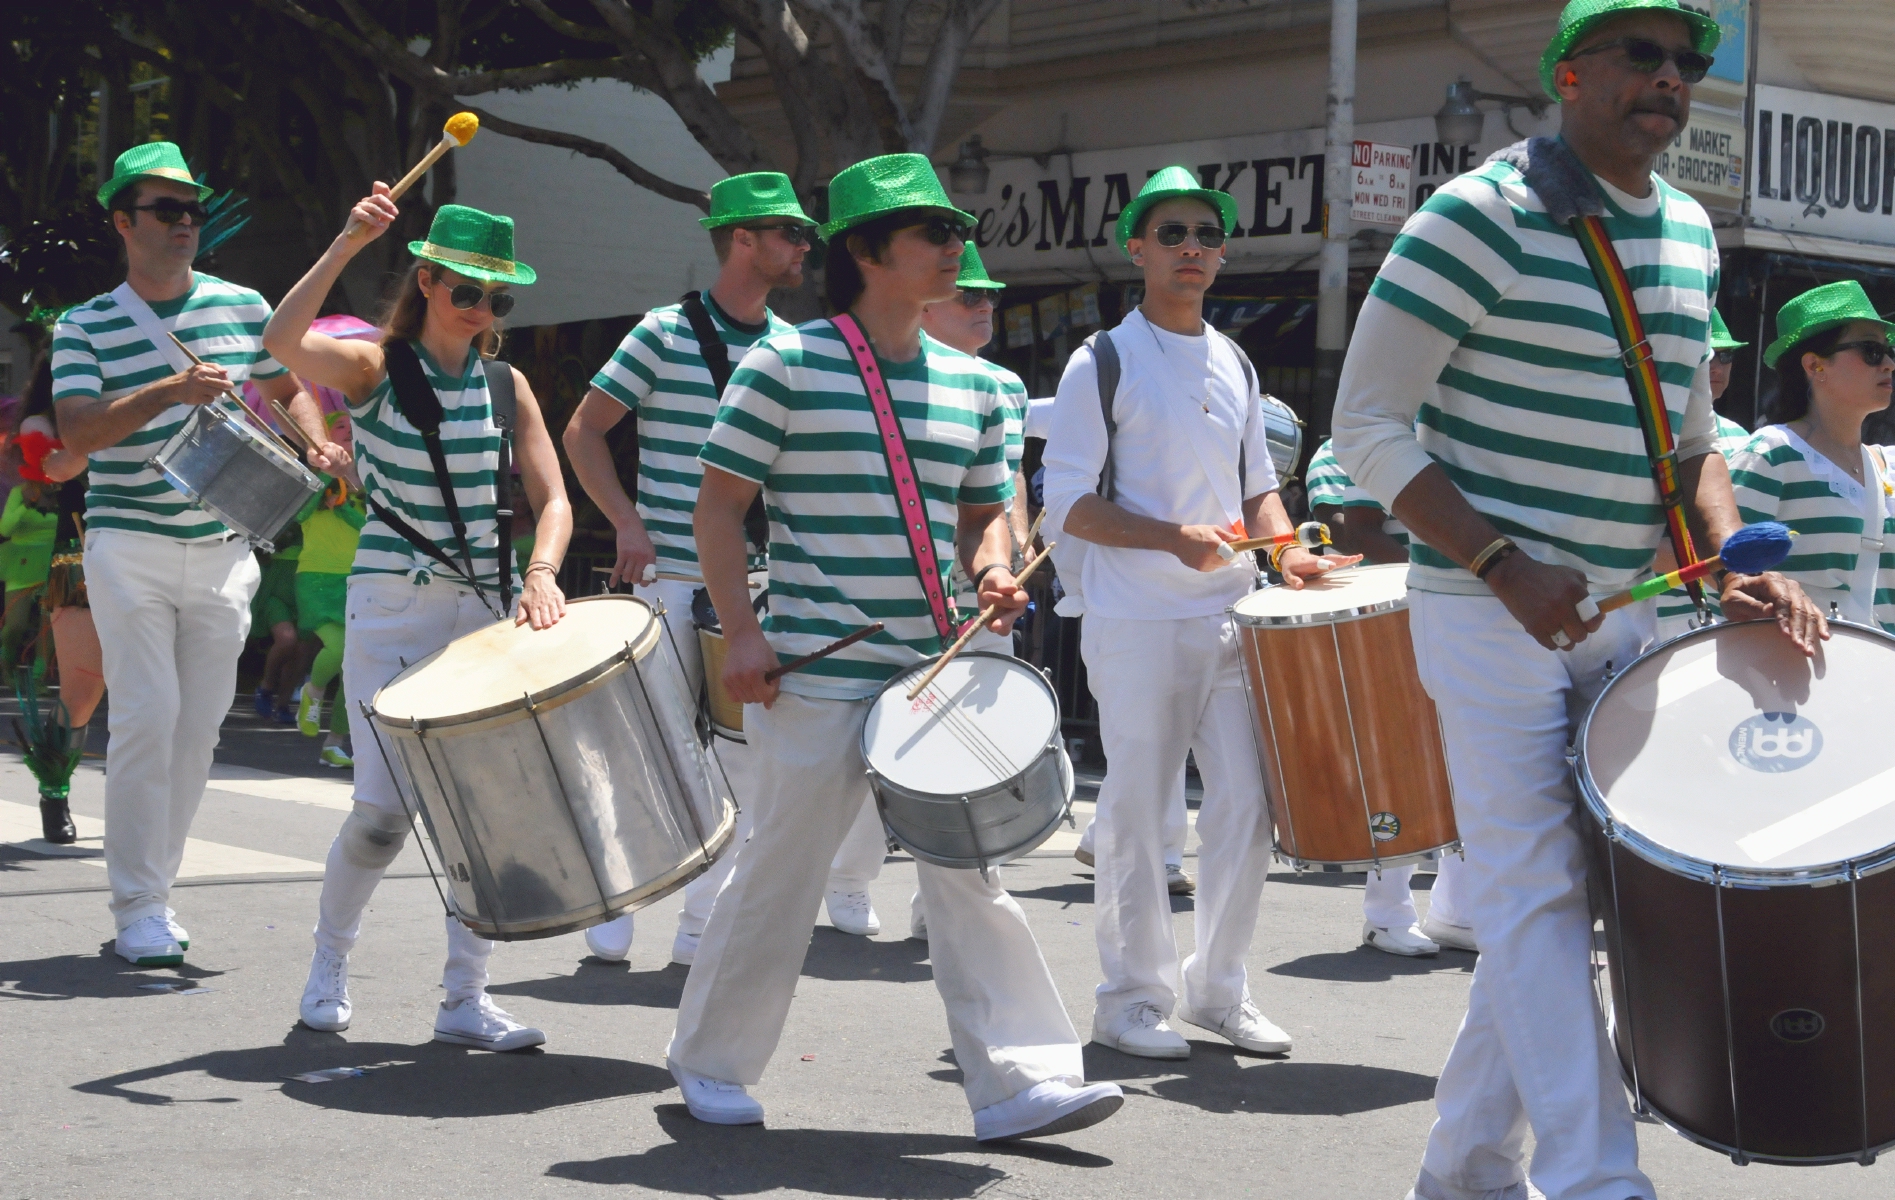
column 598, row 413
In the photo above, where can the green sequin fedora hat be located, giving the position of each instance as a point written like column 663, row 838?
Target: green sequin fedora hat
column 1174, row 183
column 152, row 160
column 1821, row 309
column 753, row 197
column 974, row 272
column 1581, row 17
column 1721, row 338
column 888, row 183
column 476, row 244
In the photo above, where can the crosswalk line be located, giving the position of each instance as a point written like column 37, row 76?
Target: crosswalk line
column 20, row 828
column 333, row 793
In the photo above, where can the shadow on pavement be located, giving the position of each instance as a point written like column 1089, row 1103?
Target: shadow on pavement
column 709, row 1160
column 843, row 957
column 1218, row 1078
column 104, row 976
column 430, row 1080
column 599, row 982
column 1366, row 965
column 1067, row 894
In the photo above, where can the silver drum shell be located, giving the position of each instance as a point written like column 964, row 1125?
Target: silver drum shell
column 1283, row 430
column 981, row 829
column 587, row 803
column 233, row 473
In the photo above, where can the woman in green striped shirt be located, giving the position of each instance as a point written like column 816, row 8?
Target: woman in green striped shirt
column 1809, row 468
column 404, row 603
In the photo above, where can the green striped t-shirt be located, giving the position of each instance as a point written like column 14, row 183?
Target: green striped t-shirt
column 98, row 352
column 1330, row 487
column 796, row 419
column 1531, row 417
column 658, row 372
column 393, row 462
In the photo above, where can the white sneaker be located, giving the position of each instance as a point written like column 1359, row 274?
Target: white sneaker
column 1142, row 1032
column 1409, row 942
column 147, row 942
column 684, row 948
column 851, row 912
column 1450, row 937
column 1047, row 1108
column 1084, row 855
column 611, row 940
column 326, row 1006
column 1177, row 882
column 1241, row 1025
column 178, row 933
column 714, row 1101
column 480, row 1023
column 917, row 919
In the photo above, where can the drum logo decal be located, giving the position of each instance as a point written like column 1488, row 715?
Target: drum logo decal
column 1385, row 826
column 1774, row 742
column 1797, row 1025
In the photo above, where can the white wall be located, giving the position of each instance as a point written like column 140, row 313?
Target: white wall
column 602, row 245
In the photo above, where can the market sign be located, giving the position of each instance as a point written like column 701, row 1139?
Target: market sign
column 1824, row 165
column 1707, row 157
column 1382, row 179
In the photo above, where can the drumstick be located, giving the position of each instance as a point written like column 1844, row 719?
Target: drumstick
column 797, row 664
column 459, row 131
column 234, row 394
column 1309, row 535
column 1752, row 550
column 986, row 615
column 289, row 423
column 671, row 575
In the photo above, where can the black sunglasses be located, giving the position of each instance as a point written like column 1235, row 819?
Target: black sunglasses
column 1723, row 358
column 795, row 235
column 469, row 295
column 1172, row 233
column 172, row 212
column 1873, row 353
column 975, row 297
column 1650, row 57
column 940, row 230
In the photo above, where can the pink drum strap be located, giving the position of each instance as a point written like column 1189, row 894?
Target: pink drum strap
column 914, row 512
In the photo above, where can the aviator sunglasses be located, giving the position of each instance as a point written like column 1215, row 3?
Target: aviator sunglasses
column 1650, row 57
column 1172, row 233
column 469, row 295
column 1873, row 353
column 975, row 297
column 173, row 212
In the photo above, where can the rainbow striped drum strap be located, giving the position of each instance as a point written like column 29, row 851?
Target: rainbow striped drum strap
column 1641, row 373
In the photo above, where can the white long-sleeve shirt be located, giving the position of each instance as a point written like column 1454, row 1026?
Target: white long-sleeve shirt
column 1184, row 407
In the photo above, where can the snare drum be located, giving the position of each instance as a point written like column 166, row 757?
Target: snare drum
column 1349, row 741
column 1283, row 430
column 726, row 714
column 236, row 474
column 1742, row 820
column 972, row 772
column 558, row 770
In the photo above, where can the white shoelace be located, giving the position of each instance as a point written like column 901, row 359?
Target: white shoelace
column 1148, row 1015
column 148, row 931
column 330, row 976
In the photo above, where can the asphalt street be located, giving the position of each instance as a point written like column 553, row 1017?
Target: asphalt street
column 115, row 1087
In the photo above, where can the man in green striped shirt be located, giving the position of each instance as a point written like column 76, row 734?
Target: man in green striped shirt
column 797, row 423
column 661, row 374
column 1485, row 405
column 169, row 585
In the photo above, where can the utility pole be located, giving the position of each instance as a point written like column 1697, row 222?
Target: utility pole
column 1332, row 283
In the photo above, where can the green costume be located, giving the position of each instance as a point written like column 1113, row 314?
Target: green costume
column 331, row 532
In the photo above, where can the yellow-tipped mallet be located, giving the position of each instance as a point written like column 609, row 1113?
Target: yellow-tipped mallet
column 459, row 130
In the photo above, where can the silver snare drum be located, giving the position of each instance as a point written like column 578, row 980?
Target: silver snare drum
column 558, row 770
column 235, row 474
column 972, row 772
column 1283, row 429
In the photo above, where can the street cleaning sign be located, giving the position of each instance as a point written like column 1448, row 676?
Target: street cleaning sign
column 1383, row 178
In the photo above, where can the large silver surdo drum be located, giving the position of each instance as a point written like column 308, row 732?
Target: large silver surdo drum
column 558, row 770
column 235, row 474
column 1283, row 429
column 972, row 772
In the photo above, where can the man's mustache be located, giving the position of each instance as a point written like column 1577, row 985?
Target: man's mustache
column 1664, row 106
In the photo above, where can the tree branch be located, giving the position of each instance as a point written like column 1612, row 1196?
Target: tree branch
column 563, row 27
column 859, row 41
column 958, row 26
column 599, row 150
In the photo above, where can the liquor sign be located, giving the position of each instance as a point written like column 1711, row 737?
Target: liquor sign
column 1824, row 165
column 1383, row 175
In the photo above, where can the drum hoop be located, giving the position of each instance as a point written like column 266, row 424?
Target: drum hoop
column 877, row 779
column 1697, row 869
column 1351, row 866
column 565, row 692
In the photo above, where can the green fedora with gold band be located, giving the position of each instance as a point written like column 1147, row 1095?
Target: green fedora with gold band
column 1174, row 183
column 888, row 183
column 1721, row 338
column 478, row 245
column 1818, row 310
column 753, row 197
column 1581, row 17
column 974, row 272
column 153, row 160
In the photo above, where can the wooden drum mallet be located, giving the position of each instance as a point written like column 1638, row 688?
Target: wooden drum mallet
column 459, row 131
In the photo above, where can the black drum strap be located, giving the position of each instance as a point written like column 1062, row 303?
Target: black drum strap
column 717, row 360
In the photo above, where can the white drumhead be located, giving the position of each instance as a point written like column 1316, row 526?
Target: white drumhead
column 503, row 663
column 1729, row 747
column 1337, row 596
column 984, row 719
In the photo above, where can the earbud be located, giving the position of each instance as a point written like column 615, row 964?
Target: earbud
column 1572, row 78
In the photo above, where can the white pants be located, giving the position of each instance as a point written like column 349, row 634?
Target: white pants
column 1177, row 827
column 1008, row 1025
column 172, row 617
column 1388, row 901
column 1164, row 688
column 393, row 622
column 1532, row 1048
